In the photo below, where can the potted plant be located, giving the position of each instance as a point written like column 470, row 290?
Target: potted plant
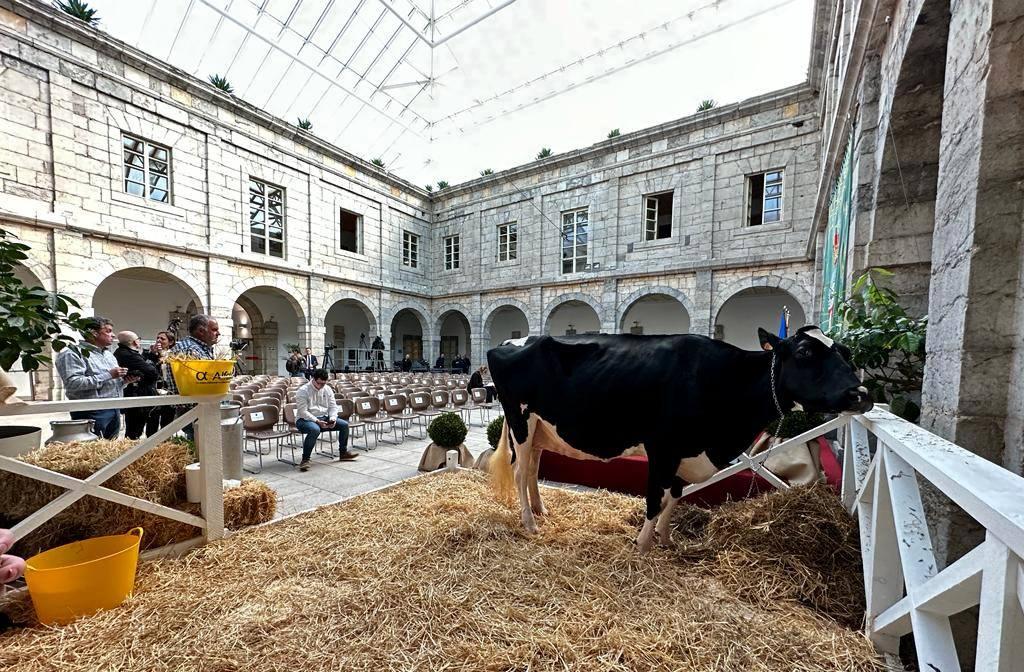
column 885, row 343
column 32, row 321
column 447, row 432
column 494, row 428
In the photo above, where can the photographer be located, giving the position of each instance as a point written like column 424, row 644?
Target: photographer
column 142, row 377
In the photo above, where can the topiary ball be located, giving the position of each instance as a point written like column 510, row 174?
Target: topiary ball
column 494, row 431
column 447, row 430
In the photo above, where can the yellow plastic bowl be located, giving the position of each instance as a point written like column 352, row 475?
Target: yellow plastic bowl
column 198, row 377
column 82, row 577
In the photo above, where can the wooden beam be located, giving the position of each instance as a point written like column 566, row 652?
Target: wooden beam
column 886, row 586
column 1000, row 644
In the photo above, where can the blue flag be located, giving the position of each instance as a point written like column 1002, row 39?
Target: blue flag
column 783, row 332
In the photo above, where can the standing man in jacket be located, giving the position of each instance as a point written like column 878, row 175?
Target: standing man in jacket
column 129, row 356
column 93, row 373
column 316, row 411
column 309, row 363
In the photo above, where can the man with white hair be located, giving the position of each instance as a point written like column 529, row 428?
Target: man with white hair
column 143, row 373
column 90, row 371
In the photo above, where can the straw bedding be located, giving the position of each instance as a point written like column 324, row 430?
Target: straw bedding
column 434, row 574
column 157, row 476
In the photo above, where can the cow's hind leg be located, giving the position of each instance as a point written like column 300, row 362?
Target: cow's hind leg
column 659, row 485
column 665, row 518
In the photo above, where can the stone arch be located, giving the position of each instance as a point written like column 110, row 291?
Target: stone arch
column 493, row 307
column 272, row 282
column 787, row 285
column 557, row 301
column 362, row 301
column 426, row 336
column 144, row 299
column 628, row 302
column 135, row 259
column 417, row 309
column 441, row 313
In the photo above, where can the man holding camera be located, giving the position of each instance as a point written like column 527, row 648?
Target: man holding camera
column 129, row 355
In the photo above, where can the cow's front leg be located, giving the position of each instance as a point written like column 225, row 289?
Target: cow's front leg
column 536, row 503
column 660, row 474
column 524, row 474
column 665, row 517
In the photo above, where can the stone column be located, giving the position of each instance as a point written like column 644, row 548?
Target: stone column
column 974, row 333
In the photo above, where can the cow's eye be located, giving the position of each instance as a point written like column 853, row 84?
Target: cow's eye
column 803, row 352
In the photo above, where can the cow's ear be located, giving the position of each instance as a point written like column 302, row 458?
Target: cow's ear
column 769, row 341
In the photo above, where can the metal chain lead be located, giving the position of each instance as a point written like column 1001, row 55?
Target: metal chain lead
column 775, row 397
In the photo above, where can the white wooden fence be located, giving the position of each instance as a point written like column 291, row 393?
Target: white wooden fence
column 208, row 444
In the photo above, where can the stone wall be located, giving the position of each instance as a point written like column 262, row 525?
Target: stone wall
column 72, row 92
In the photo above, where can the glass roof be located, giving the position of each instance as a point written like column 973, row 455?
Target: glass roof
column 443, row 89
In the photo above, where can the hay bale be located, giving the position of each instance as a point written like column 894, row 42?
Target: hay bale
column 157, row 476
column 434, row 574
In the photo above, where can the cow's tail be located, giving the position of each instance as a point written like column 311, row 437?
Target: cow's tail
column 500, row 467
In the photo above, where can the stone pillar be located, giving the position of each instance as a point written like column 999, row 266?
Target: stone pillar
column 702, row 321
column 974, row 332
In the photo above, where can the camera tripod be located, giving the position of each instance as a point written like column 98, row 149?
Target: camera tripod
column 328, row 361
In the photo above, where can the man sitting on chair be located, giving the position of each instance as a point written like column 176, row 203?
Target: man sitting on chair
column 317, row 411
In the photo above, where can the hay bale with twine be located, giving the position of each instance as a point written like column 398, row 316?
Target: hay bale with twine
column 435, row 574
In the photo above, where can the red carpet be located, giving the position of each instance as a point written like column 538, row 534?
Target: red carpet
column 628, row 475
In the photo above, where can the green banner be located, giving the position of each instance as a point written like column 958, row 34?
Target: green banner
column 837, row 235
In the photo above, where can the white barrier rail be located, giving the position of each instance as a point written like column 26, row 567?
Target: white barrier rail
column 904, row 590
column 208, row 444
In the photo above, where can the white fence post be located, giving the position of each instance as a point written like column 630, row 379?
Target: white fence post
column 1000, row 648
column 208, row 445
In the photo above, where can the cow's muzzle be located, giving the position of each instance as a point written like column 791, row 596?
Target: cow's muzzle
column 859, row 399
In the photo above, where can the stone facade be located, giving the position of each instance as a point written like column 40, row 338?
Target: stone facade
column 70, row 94
column 931, row 93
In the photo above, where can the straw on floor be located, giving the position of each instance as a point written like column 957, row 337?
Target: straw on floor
column 434, row 574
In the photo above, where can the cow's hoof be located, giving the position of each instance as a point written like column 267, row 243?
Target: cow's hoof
column 664, row 539
column 529, row 523
column 540, row 510
column 644, row 544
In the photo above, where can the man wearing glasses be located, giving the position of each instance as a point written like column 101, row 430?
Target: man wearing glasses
column 316, row 411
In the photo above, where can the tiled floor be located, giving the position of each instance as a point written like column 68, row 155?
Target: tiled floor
column 330, row 481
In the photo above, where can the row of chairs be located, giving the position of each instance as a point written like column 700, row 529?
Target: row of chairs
column 269, row 413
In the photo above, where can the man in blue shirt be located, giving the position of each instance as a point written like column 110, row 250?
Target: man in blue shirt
column 93, row 373
column 203, row 333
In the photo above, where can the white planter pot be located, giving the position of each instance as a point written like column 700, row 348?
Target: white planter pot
column 17, row 440
column 193, row 483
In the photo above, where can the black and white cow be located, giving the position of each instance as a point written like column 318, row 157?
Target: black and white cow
column 694, row 404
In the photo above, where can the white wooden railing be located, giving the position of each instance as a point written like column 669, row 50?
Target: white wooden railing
column 884, row 458
column 208, row 445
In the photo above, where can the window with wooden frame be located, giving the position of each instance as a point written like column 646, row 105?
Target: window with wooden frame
column 574, row 240
column 658, row 216
column 451, row 253
column 764, row 198
column 266, row 218
column 410, row 249
column 147, row 169
column 508, row 241
column 351, row 226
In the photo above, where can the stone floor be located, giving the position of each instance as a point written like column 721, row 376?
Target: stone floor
column 330, row 481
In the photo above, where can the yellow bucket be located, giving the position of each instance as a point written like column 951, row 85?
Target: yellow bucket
column 82, row 577
column 197, row 377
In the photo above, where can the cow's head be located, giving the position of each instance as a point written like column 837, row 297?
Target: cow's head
column 815, row 371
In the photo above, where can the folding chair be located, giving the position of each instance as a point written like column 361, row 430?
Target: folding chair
column 368, row 409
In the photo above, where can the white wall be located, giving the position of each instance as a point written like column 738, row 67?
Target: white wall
column 657, row 314
column 580, row 315
column 139, row 305
column 506, row 320
column 744, row 313
column 274, row 306
column 22, row 380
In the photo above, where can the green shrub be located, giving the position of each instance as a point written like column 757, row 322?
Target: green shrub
column 494, row 431
column 447, row 430
column 794, row 424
